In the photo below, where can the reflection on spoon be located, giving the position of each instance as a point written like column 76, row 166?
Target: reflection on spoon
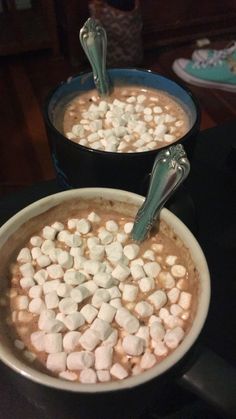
column 93, row 39
column 170, row 168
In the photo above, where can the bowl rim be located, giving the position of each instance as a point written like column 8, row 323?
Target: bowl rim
column 111, row 154
column 7, row 356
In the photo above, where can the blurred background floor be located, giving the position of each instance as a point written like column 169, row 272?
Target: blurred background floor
column 27, row 76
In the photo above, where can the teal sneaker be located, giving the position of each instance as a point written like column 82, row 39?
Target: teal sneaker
column 215, row 73
column 206, row 54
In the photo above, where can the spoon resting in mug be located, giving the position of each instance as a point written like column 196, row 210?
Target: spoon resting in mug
column 170, row 169
column 93, row 39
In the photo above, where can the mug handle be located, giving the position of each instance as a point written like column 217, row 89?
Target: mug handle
column 213, row 379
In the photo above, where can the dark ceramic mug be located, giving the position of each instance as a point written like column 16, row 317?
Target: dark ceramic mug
column 79, row 166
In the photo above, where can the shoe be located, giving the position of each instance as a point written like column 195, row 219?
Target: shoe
column 206, row 54
column 215, row 73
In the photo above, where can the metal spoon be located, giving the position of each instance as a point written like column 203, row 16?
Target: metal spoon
column 93, row 39
column 170, row 168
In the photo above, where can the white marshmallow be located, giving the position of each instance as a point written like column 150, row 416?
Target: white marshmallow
column 24, row 255
column 37, row 340
column 51, row 300
column 163, row 313
column 49, row 286
column 144, row 309
column 27, row 282
column 78, row 294
column 116, row 302
column 49, row 233
column 118, row 371
column 71, row 340
column 128, row 227
column 73, row 240
column 121, row 237
column 152, row 269
column 146, row 284
column 131, row 251
column 105, row 236
column 65, row 259
column 138, row 261
column 35, row 291
column 102, row 328
column 27, row 270
column 133, row 345
column 112, row 226
column 88, row 376
column 41, row 276
column 22, row 302
column 103, row 357
column 30, row 356
column 158, row 299
column 76, row 251
column 55, row 271
column 112, row 338
column 160, row 349
column 137, row 271
column 92, row 241
column 143, row 332
column 121, row 272
column 63, row 290
column 57, row 226
column 173, row 337
column 89, row 312
column 107, row 312
column 176, row 310
column 166, row 280
column 83, row 226
column 103, row 376
column 47, row 246
column 72, row 277
column 97, row 252
column 74, row 321
column 92, row 267
column 126, row 320
column 56, row 362
column 157, row 331
column 80, row 360
column 178, row 271
column 24, row 316
column 93, row 217
column 48, row 323
column 67, row 305
column 90, row 286
column 36, row 252
column 149, row 254
column 53, row 343
column 36, row 306
column 89, row 339
column 130, row 292
column 147, row 361
column 103, row 280
column 114, row 292
column 170, row 260
column 100, row 296
column 154, row 318
column 173, row 295
column 185, row 300
column 68, row 375
column 36, row 241
column 43, row 261
column 114, row 251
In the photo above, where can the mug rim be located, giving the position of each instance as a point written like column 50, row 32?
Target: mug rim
column 39, row 206
column 77, row 146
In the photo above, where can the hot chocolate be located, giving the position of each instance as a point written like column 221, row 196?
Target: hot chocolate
column 89, row 305
column 129, row 120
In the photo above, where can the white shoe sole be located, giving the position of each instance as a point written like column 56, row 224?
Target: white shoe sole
column 199, row 82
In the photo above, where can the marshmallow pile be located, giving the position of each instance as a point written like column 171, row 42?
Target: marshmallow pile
column 97, row 305
column 133, row 123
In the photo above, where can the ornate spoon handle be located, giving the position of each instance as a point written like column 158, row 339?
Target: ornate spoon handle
column 93, row 39
column 170, row 168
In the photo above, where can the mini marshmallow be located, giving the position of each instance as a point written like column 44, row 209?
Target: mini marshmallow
column 164, row 313
column 147, row 361
column 185, row 300
column 88, row 376
column 36, row 241
column 107, row 312
column 92, row 241
column 30, row 356
column 71, row 340
column 131, row 251
column 78, row 294
column 68, row 375
column 103, row 357
column 157, row 247
column 49, row 286
column 112, row 338
column 152, row 269
column 27, row 270
column 128, row 227
column 158, row 299
column 138, row 261
column 143, row 332
column 76, row 251
column 137, row 272
column 80, row 360
column 51, row 300
column 114, row 251
column 100, row 296
column 97, row 252
column 90, row 286
column 57, row 226
column 178, row 271
column 121, row 237
column 112, row 226
column 160, row 349
column 144, row 309
column 73, row 240
column 173, row 295
column 72, row 277
column 74, row 321
column 22, row 302
column 146, row 284
column 133, row 345
column 116, row 302
column 103, row 280
column 56, row 362
column 126, row 320
column 41, row 276
column 118, row 371
column 102, row 328
column 36, row 306
column 83, row 226
column 49, row 233
column 114, row 292
column 93, row 217
column 63, row 290
column 47, row 246
column 89, row 339
column 24, row 316
column 121, row 272
column 24, row 255
column 53, row 343
column 55, row 271
column 105, row 236
column 65, row 260
column 36, row 252
column 176, row 310
column 92, row 267
column 149, row 254
column 48, row 323
column 130, row 292
column 43, row 261
column 157, row 331
column 89, row 312
column 103, row 376
column 166, row 280
column 170, row 260
column 173, row 337
column 26, row 282
column 67, row 305
column 37, row 340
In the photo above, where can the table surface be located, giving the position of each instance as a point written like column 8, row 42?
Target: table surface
column 212, row 187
